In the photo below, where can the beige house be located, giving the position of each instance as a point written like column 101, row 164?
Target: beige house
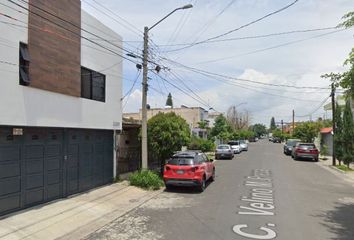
column 193, row 115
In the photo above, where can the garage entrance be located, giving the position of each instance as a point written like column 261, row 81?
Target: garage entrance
column 49, row 163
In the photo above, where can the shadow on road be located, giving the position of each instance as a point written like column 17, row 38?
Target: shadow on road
column 340, row 221
column 187, row 190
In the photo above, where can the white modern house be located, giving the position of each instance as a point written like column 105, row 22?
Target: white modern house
column 60, row 102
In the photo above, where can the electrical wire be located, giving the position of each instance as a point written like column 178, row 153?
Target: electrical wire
column 203, row 72
column 316, row 109
column 73, row 32
column 272, row 47
column 256, row 36
column 237, row 29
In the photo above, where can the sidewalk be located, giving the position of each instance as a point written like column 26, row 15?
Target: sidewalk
column 76, row 216
column 349, row 176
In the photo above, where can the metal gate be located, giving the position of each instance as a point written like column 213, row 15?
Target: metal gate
column 48, row 163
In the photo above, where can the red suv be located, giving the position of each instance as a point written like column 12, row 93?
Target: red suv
column 189, row 168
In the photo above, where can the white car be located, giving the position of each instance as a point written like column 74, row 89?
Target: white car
column 235, row 146
column 243, row 145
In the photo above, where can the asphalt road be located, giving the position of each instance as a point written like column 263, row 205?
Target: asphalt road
column 260, row 194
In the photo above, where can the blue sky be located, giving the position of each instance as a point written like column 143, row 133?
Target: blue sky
column 299, row 62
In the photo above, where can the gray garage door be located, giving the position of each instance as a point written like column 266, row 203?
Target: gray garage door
column 46, row 163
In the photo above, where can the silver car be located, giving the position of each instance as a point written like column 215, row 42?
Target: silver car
column 244, row 145
column 224, row 151
column 235, row 146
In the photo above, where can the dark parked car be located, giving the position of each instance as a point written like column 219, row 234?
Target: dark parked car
column 224, row 151
column 305, row 150
column 276, row 140
column 189, row 168
column 289, row 145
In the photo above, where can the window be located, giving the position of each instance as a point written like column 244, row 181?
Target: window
column 24, row 65
column 93, row 85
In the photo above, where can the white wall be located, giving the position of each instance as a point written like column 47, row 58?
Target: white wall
column 26, row 106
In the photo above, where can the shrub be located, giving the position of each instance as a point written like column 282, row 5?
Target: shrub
column 146, row 179
column 201, row 144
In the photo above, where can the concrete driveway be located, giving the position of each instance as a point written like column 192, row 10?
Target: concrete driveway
column 73, row 217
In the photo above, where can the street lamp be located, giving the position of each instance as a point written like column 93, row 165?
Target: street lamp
column 144, row 150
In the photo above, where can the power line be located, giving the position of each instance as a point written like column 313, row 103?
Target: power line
column 315, row 110
column 73, row 32
column 256, row 36
column 273, row 47
column 200, row 71
column 183, row 91
column 236, row 29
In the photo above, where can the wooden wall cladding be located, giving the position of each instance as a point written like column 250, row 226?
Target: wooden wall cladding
column 55, row 51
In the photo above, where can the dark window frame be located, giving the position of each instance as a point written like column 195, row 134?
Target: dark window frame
column 24, row 61
column 93, row 85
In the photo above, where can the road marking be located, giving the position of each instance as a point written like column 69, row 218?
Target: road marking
column 260, row 203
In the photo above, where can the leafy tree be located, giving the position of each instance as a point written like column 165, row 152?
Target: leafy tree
column 222, row 129
column 169, row 101
column 338, row 137
column 348, row 134
column 307, row 131
column 272, row 124
column 203, row 124
column 167, row 133
column 259, row 129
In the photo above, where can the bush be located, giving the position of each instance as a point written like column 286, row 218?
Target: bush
column 201, row 144
column 146, row 179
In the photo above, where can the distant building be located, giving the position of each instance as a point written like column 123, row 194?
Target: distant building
column 193, row 115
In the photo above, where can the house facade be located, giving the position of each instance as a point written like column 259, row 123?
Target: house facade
column 193, row 115
column 60, row 103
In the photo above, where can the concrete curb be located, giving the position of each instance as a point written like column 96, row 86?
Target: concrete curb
column 336, row 169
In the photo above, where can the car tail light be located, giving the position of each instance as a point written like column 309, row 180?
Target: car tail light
column 314, row 151
column 167, row 168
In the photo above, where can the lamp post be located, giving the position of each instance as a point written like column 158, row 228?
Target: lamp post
column 144, row 149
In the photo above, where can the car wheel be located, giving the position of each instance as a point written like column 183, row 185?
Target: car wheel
column 201, row 187
column 213, row 176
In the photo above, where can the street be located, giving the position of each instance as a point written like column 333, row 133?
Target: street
column 260, row 194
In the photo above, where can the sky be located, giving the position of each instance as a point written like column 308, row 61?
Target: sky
column 247, row 69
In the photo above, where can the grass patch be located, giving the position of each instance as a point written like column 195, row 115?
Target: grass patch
column 345, row 168
column 146, row 179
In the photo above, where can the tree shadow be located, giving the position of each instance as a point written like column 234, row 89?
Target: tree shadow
column 340, row 221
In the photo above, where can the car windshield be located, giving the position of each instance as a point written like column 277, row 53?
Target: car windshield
column 223, row 147
column 242, row 141
column 307, row 145
column 180, row 161
column 233, row 143
column 291, row 143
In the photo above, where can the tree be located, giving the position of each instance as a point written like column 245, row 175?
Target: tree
column 258, row 129
column 167, row 133
column 222, row 129
column 237, row 120
column 169, row 101
column 203, row 124
column 272, row 124
column 348, row 134
column 307, row 131
column 338, row 137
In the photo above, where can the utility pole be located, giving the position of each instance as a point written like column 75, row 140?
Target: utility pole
column 144, row 147
column 333, row 123
column 282, row 123
column 293, row 122
column 144, row 150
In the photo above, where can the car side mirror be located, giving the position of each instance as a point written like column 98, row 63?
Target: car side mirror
column 211, row 160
